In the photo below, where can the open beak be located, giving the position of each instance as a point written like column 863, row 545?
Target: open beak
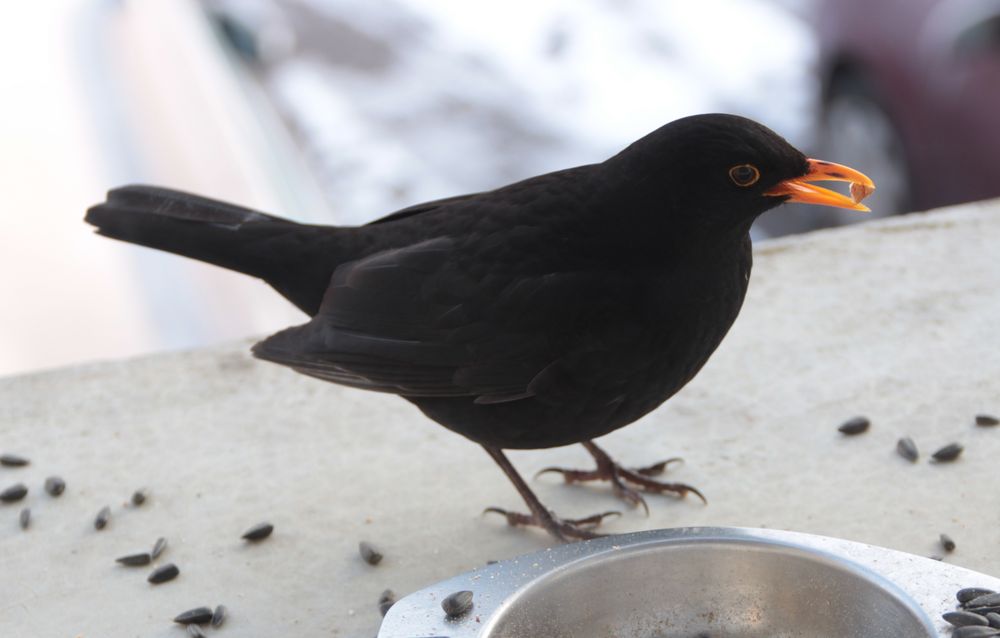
column 800, row 190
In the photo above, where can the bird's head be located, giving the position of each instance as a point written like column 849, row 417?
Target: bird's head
column 727, row 169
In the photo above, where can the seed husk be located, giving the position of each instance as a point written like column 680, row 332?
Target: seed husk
column 135, row 560
column 949, row 452
column 258, row 532
column 969, row 593
column 139, row 496
column 55, row 485
column 947, row 543
column 102, row 518
column 986, row 600
column 198, row 615
column 385, row 601
column 194, row 631
column 993, row 618
column 370, row 555
column 457, row 604
column 856, row 425
column 163, row 574
column 13, row 460
column 158, row 547
column 219, row 616
column 975, row 632
column 964, row 619
column 907, row 449
column 986, row 420
column 14, row 493
column 25, row 518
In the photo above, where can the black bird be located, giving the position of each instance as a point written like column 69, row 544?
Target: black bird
column 547, row 312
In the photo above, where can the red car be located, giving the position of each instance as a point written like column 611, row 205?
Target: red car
column 911, row 96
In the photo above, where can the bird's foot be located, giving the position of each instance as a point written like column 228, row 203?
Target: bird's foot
column 621, row 478
column 563, row 529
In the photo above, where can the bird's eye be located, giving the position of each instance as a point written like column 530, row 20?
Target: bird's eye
column 744, row 175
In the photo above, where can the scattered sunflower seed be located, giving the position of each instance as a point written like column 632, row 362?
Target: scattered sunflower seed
column 936, row 557
column 135, row 560
column 219, row 616
column 947, row 543
column 857, row 425
column 25, row 518
column 993, row 618
column 55, row 485
column 101, row 521
column 158, row 547
column 969, row 593
column 198, row 616
column 975, row 632
column 258, row 532
column 907, row 449
column 386, row 600
column 13, row 460
column 964, row 619
column 370, row 555
column 457, row 604
column 139, row 496
column 986, row 600
column 13, row 493
column 195, row 631
column 986, row 420
column 949, row 452
column 163, row 574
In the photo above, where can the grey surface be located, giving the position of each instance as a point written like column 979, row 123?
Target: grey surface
column 896, row 320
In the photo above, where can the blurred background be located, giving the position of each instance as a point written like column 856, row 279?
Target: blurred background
column 340, row 111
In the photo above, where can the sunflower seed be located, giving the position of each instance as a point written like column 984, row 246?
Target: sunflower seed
column 158, row 547
column 986, row 600
column 994, row 619
column 101, row 521
column 947, row 543
column 370, row 555
column 134, row 560
column 385, row 601
column 986, row 420
column 949, row 452
column 198, row 616
column 13, row 460
column 13, row 493
column 458, row 603
column 857, row 425
column 219, row 616
column 907, row 449
column 163, row 574
column 55, row 485
column 25, row 518
column 258, row 532
column 936, row 557
column 975, row 632
column 139, row 496
column 964, row 619
column 969, row 593
column 194, row 631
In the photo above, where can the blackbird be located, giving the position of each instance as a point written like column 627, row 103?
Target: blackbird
column 547, row 312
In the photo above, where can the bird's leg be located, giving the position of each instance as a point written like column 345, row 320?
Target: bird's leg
column 563, row 529
column 608, row 470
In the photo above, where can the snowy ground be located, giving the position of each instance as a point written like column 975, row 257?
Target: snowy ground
column 407, row 100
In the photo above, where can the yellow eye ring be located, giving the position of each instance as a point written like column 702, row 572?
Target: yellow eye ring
column 744, row 175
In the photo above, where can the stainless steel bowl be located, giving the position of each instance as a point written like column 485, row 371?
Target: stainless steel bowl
column 696, row 583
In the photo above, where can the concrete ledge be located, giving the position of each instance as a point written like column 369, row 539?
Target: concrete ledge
column 896, row 320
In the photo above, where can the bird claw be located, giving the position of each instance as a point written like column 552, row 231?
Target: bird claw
column 563, row 529
column 657, row 468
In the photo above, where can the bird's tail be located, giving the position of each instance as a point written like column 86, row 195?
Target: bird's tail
column 292, row 257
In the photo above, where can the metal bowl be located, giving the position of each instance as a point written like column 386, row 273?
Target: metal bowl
column 696, row 583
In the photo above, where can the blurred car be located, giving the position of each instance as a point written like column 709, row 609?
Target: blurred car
column 911, row 96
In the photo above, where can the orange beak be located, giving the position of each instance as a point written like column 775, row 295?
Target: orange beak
column 800, row 190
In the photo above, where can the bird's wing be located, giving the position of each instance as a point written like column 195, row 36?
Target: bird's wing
column 425, row 207
column 417, row 321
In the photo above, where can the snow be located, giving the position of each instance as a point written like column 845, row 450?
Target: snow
column 470, row 96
